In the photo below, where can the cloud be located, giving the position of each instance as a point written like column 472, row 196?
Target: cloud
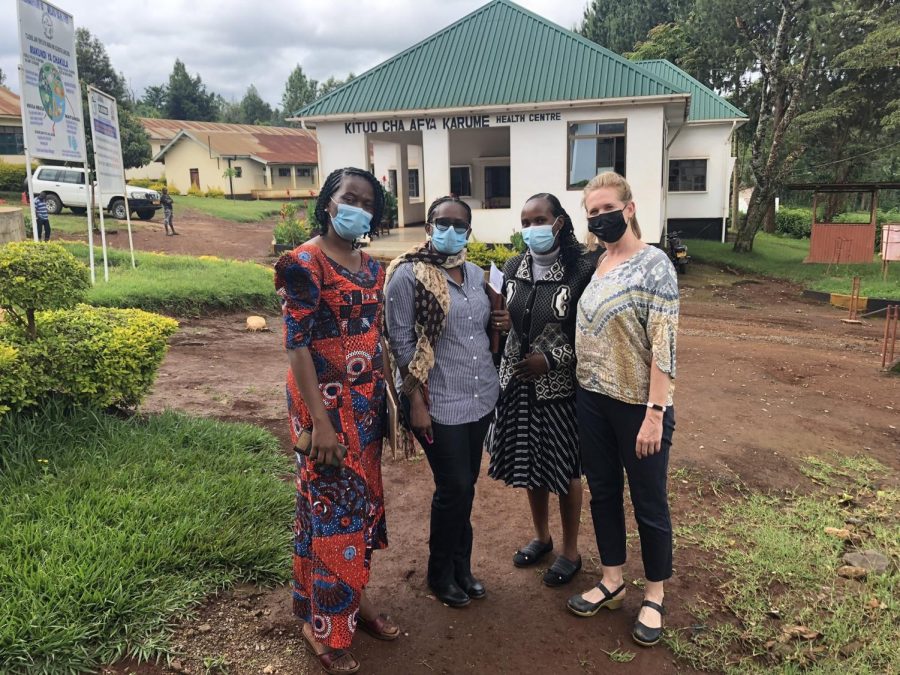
column 232, row 44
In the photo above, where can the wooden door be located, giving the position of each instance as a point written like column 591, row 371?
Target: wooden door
column 195, row 178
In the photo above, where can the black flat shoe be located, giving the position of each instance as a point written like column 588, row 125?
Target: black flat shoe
column 471, row 586
column 643, row 635
column 532, row 553
column 562, row 572
column 581, row 607
column 452, row 595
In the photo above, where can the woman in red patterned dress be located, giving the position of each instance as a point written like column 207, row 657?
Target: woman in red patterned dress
column 332, row 302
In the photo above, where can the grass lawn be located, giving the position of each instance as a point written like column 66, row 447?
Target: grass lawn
column 178, row 285
column 777, row 603
column 782, row 258
column 112, row 529
column 238, row 210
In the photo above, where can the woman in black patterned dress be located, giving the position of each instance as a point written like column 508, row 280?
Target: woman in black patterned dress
column 534, row 442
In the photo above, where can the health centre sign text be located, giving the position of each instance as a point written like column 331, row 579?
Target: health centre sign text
column 451, row 122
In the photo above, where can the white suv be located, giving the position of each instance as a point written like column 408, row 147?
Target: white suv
column 66, row 186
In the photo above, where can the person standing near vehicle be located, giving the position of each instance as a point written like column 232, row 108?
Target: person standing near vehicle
column 167, row 204
column 43, row 216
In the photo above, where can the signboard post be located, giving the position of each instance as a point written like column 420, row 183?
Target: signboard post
column 51, row 94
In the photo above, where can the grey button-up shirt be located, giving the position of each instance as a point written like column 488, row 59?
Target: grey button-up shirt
column 463, row 386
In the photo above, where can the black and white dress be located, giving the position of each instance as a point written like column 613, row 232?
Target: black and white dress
column 534, row 441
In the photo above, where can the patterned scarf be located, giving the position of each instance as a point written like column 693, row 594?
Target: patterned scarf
column 432, row 303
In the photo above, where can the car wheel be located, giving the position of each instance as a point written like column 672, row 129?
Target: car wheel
column 54, row 204
column 78, row 210
column 117, row 209
column 145, row 214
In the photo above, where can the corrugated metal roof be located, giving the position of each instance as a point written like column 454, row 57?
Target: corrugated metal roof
column 9, row 103
column 166, row 130
column 500, row 54
column 705, row 103
column 296, row 147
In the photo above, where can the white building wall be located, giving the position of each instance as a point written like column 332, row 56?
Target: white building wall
column 538, row 163
column 711, row 142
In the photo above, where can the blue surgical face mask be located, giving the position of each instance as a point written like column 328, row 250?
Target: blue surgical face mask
column 350, row 222
column 449, row 241
column 540, row 238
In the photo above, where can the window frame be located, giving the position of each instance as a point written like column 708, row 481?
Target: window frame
column 570, row 137
column 409, row 184
column 284, row 172
column 705, row 189
column 468, row 168
column 17, row 136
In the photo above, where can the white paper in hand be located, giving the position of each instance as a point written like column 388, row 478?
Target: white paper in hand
column 496, row 279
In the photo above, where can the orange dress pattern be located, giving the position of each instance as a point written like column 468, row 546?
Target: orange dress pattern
column 339, row 521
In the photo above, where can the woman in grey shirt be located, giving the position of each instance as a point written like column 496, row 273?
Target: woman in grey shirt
column 438, row 315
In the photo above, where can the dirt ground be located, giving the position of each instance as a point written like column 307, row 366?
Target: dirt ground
column 764, row 379
column 198, row 234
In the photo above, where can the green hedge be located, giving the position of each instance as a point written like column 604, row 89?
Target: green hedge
column 483, row 255
column 12, row 177
column 15, row 376
column 92, row 356
column 794, row 223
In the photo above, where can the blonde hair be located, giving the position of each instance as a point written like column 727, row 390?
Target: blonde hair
column 610, row 179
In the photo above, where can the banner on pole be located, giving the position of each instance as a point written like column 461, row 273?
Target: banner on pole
column 51, row 94
column 104, row 116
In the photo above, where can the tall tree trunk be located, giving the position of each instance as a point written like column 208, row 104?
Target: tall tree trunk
column 769, row 220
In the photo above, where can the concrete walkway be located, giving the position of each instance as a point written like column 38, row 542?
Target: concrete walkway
column 399, row 241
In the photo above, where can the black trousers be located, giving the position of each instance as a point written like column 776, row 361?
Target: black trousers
column 455, row 459
column 43, row 228
column 607, row 431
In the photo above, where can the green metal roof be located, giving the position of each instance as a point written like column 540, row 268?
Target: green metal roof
column 500, row 54
column 705, row 103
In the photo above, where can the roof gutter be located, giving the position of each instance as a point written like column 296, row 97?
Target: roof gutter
column 486, row 109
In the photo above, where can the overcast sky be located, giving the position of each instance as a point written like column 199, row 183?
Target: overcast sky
column 235, row 43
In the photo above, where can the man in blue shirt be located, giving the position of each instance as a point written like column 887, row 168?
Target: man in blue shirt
column 43, row 216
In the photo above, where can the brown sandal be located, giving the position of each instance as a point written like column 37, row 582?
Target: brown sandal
column 329, row 658
column 380, row 628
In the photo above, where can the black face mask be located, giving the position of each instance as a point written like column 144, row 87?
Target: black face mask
column 608, row 227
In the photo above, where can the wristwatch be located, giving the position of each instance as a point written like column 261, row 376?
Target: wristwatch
column 656, row 406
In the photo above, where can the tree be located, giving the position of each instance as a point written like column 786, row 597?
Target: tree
column 331, row 84
column 95, row 68
column 298, row 91
column 619, row 25
column 253, row 109
column 187, row 97
column 2, row 77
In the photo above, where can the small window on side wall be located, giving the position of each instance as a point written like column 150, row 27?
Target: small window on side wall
column 413, row 183
column 284, row 173
column 238, row 172
column 304, row 172
column 687, row 175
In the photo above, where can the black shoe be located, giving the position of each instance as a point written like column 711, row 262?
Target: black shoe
column 532, row 553
column 452, row 595
column 581, row 607
column 643, row 635
column 471, row 586
column 562, row 572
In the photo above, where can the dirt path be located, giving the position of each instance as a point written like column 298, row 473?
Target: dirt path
column 198, row 234
column 763, row 380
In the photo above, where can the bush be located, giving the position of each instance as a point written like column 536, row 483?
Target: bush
column 195, row 191
column 291, row 231
column 12, row 176
column 214, row 193
column 173, row 189
column 483, row 255
column 36, row 276
column 93, row 356
column 794, row 223
column 14, row 380
column 518, row 242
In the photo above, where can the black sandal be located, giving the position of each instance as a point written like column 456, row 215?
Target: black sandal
column 581, row 607
column 644, row 635
column 562, row 572
column 533, row 553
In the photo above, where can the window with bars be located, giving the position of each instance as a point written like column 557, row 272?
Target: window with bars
column 687, row 175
